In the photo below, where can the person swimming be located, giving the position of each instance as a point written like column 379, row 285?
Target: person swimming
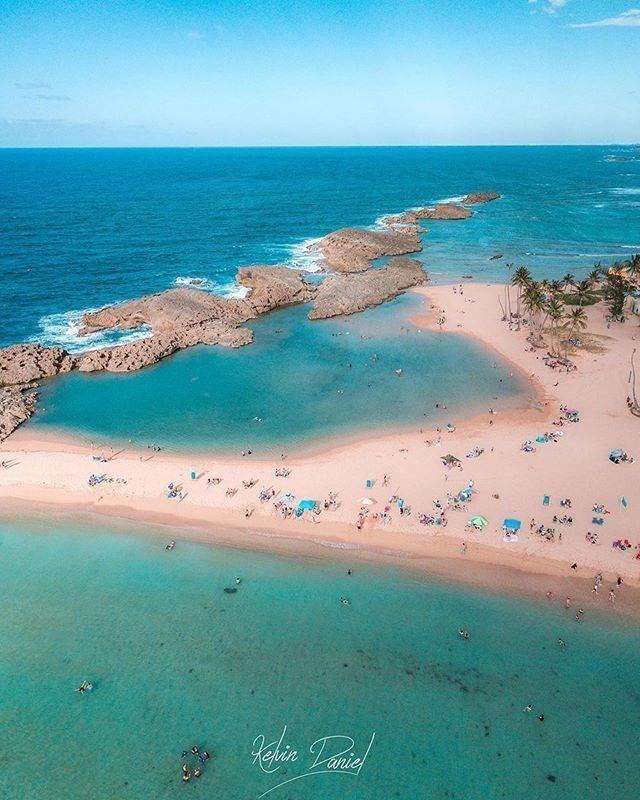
column 345, row 601
column 463, row 634
column 561, row 642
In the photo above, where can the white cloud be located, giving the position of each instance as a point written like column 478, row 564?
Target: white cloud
column 550, row 6
column 195, row 36
column 628, row 19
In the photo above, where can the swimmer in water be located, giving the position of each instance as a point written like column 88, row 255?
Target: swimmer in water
column 464, row 634
column 561, row 642
column 528, row 708
column 344, row 601
column 541, row 717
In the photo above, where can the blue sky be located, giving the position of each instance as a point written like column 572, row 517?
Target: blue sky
column 299, row 72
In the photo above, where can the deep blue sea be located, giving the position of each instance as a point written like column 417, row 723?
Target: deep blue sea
column 83, row 228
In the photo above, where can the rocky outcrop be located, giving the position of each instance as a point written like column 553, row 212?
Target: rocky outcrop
column 477, row 198
column 145, row 352
column 17, row 404
column 353, row 249
column 20, row 366
column 166, row 312
column 175, row 310
column 441, row 211
column 349, row 294
column 273, row 287
column 180, row 318
column 23, row 363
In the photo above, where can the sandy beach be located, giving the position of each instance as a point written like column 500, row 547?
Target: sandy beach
column 507, row 482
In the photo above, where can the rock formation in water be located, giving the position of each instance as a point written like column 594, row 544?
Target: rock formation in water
column 441, row 211
column 477, row 198
column 177, row 310
column 353, row 249
column 349, row 294
column 23, row 363
column 17, row 404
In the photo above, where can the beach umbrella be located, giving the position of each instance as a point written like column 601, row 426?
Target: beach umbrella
column 512, row 524
column 367, row 501
column 618, row 453
column 479, row 522
column 449, row 459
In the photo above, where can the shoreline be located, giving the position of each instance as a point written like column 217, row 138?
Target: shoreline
column 54, row 472
column 479, row 570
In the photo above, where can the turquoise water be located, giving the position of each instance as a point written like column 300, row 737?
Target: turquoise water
column 290, row 378
column 83, row 228
column 176, row 661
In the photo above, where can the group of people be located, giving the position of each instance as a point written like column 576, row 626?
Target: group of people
column 193, row 762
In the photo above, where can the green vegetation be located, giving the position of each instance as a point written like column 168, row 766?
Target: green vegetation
column 544, row 303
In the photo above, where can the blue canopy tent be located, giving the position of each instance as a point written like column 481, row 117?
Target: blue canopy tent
column 305, row 505
column 512, row 525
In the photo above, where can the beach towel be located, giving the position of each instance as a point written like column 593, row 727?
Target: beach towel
column 546, row 500
column 623, row 502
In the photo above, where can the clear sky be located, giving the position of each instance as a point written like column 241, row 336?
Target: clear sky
column 300, row 72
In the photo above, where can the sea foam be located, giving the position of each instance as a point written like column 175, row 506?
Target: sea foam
column 63, row 330
column 229, row 289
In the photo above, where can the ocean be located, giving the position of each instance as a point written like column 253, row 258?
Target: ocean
column 83, row 228
column 80, row 229
column 176, row 662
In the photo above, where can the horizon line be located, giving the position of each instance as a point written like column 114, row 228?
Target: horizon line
column 303, row 146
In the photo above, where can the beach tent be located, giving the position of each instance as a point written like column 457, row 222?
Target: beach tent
column 479, row 522
column 617, row 455
column 465, row 494
column 305, row 505
column 511, row 525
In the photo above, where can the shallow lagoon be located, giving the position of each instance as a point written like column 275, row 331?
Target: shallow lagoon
column 290, row 378
column 176, row 661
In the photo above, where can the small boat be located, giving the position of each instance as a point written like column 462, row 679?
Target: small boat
column 171, row 545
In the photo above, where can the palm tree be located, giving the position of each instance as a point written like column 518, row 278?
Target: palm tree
column 507, row 293
column 616, row 290
column 584, row 292
column 555, row 312
column 533, row 302
column 521, row 279
column 577, row 319
column 568, row 280
column 595, row 275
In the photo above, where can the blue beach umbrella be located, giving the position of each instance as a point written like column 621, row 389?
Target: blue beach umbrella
column 512, row 524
